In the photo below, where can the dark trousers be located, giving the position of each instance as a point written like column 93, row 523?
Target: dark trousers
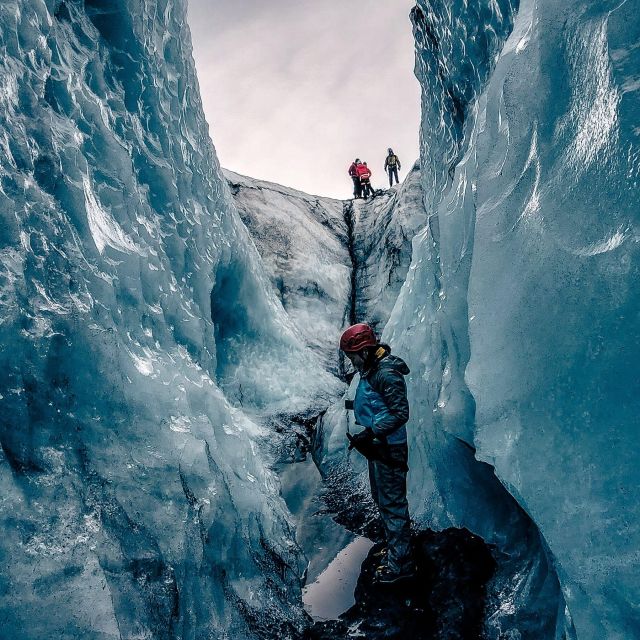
column 393, row 172
column 366, row 187
column 357, row 187
column 389, row 492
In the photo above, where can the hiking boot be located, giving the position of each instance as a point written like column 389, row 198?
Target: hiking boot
column 381, row 553
column 384, row 575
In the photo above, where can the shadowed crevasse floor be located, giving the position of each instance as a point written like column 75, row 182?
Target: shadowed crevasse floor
column 445, row 600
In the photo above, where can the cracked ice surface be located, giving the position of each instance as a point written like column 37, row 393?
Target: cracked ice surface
column 383, row 231
column 139, row 334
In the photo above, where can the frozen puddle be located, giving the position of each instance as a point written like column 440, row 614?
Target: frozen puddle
column 332, row 592
column 335, row 554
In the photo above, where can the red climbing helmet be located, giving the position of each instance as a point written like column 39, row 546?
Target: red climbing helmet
column 357, row 337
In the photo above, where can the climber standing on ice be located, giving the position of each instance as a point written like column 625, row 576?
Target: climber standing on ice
column 364, row 175
column 381, row 407
column 391, row 166
column 353, row 172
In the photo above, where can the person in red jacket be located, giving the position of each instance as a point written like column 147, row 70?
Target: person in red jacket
column 353, row 172
column 364, row 175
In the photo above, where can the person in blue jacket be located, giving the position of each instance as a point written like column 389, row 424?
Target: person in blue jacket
column 381, row 407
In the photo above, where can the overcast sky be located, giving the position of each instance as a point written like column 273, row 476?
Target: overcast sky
column 294, row 90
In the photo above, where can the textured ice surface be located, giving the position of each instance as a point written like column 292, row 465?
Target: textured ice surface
column 139, row 332
column 527, row 273
column 303, row 243
column 555, row 350
column 382, row 232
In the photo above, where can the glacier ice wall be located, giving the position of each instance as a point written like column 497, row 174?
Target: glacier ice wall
column 303, row 241
column 558, row 406
column 139, row 334
column 519, row 317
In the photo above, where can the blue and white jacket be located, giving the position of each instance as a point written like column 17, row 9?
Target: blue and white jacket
column 381, row 401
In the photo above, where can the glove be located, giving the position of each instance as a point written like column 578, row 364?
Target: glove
column 361, row 440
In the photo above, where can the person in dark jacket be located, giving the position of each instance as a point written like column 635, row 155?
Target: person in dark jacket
column 381, row 407
column 353, row 172
column 391, row 166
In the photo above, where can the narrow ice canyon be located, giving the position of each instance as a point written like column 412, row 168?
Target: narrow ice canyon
column 171, row 392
